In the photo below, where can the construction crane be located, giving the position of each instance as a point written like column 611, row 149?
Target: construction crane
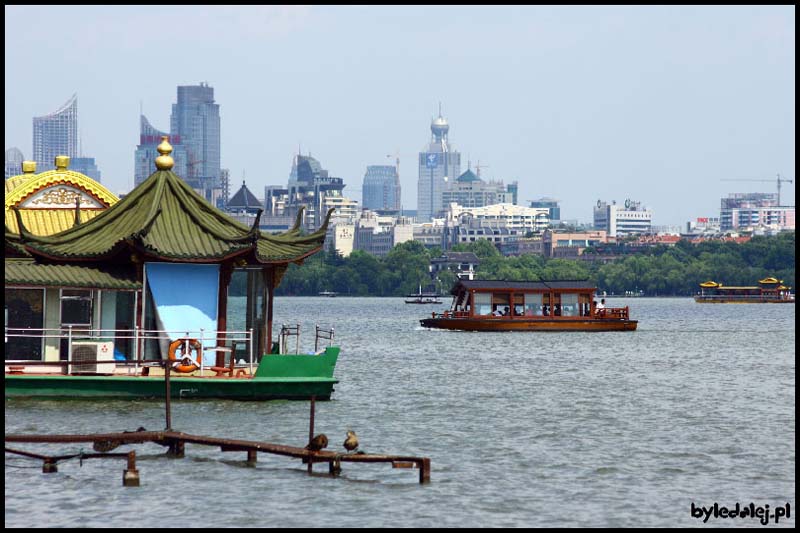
column 478, row 168
column 779, row 181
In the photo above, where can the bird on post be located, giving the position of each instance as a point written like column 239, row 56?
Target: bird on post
column 317, row 443
column 351, row 442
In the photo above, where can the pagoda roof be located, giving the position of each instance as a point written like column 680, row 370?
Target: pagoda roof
column 164, row 219
column 243, row 199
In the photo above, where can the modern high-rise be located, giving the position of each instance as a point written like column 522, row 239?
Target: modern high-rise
column 86, row 166
column 14, row 159
column 195, row 120
column 438, row 163
column 146, row 151
column 381, row 188
column 56, row 134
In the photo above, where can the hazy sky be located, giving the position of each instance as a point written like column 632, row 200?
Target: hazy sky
column 656, row 104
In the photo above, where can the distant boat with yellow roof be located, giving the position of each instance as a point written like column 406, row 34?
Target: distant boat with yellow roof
column 769, row 290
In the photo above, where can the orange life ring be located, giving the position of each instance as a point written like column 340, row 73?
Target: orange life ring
column 185, row 363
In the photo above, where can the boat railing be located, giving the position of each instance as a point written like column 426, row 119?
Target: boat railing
column 616, row 313
column 208, row 340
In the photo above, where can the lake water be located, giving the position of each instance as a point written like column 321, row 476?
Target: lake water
column 522, row 429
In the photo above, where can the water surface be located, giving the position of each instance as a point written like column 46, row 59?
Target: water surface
column 522, row 429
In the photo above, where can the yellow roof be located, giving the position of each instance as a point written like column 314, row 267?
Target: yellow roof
column 709, row 285
column 57, row 215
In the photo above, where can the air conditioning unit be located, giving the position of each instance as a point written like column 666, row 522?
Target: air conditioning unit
column 95, row 353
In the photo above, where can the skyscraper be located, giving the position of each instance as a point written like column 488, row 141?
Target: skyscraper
column 14, row 159
column 381, row 188
column 146, row 152
column 440, row 162
column 56, row 134
column 195, row 120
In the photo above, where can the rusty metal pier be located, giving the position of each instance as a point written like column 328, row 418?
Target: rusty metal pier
column 175, row 441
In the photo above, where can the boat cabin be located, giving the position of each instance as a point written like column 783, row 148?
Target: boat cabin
column 491, row 305
column 475, row 298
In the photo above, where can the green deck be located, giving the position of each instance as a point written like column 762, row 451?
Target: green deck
column 277, row 377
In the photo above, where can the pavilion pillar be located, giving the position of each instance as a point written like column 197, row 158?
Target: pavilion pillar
column 225, row 273
column 266, row 309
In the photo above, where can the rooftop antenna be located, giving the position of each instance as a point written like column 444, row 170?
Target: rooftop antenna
column 440, row 108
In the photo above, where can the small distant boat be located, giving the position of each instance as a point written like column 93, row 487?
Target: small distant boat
column 423, row 297
column 769, row 290
column 329, row 294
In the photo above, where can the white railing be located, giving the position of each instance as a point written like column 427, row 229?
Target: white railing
column 139, row 336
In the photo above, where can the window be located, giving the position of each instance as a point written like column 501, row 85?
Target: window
column 501, row 302
column 519, row 304
column 533, row 304
column 76, row 307
column 483, row 303
column 569, row 305
column 24, row 315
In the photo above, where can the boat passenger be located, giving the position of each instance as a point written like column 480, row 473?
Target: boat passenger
column 497, row 312
column 602, row 304
column 506, row 312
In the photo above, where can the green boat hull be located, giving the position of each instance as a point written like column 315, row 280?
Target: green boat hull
column 288, row 377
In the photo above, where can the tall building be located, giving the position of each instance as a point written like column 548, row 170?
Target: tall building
column 56, row 134
column 86, row 166
column 146, row 151
column 754, row 210
column 619, row 222
column 437, row 164
column 195, row 121
column 381, row 188
column 469, row 190
column 14, row 159
column 552, row 205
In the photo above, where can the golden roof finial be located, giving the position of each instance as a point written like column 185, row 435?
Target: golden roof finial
column 28, row 167
column 164, row 161
column 62, row 162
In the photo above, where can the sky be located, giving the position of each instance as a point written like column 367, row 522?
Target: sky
column 659, row 104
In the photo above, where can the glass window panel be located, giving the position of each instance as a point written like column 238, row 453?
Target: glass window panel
column 24, row 310
column 483, row 303
column 533, row 304
column 569, row 305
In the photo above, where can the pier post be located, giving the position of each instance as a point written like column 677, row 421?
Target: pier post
column 425, row 470
column 49, row 466
column 252, row 457
column 130, row 476
column 167, row 394
column 311, row 432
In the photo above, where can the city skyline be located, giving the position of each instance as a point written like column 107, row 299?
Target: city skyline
column 656, row 104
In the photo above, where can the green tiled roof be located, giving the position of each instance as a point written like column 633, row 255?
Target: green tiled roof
column 26, row 273
column 164, row 218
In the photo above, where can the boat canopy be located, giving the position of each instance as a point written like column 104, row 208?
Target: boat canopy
column 27, row 273
column 529, row 286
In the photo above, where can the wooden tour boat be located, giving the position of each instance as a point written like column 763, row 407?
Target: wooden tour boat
column 491, row 305
column 769, row 290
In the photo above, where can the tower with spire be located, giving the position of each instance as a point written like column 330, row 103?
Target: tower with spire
column 438, row 163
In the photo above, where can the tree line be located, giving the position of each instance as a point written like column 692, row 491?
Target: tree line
column 658, row 271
